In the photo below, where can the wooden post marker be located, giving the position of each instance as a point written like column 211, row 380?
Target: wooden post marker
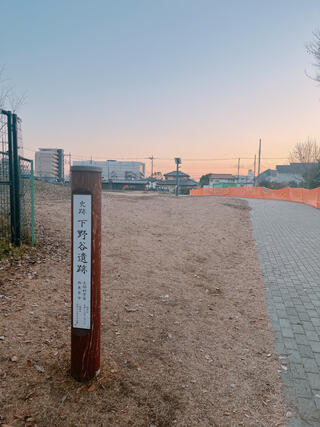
column 85, row 271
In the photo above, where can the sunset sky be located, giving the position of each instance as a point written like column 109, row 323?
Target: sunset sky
column 199, row 79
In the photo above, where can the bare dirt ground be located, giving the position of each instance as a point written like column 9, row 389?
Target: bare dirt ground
column 185, row 335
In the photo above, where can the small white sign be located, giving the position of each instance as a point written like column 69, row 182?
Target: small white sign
column 82, row 207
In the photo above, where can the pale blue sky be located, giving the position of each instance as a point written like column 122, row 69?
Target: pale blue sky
column 194, row 78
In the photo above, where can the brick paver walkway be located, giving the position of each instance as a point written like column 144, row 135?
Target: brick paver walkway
column 288, row 241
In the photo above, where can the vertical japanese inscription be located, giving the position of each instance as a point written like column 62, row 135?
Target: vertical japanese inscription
column 82, row 207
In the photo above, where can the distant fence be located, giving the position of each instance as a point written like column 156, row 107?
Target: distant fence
column 300, row 195
column 16, row 184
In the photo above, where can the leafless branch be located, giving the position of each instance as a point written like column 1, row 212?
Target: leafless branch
column 8, row 98
column 305, row 152
column 313, row 48
column 15, row 102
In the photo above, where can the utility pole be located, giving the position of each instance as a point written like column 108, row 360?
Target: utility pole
column 259, row 160
column 178, row 163
column 238, row 170
column 254, row 170
column 151, row 158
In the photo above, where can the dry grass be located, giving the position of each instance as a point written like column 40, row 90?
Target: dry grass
column 185, row 336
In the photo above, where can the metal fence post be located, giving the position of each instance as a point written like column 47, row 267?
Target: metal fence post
column 32, row 203
column 86, row 271
column 16, row 173
column 11, row 176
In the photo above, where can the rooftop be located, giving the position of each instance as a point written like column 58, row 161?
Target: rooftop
column 294, row 167
column 174, row 173
column 221, row 176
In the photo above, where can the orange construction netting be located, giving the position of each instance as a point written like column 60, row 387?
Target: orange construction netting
column 300, row 195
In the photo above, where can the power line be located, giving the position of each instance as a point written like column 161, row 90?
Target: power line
column 206, row 159
column 192, row 169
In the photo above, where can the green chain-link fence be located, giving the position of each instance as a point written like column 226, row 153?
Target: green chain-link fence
column 5, row 233
column 16, row 184
column 27, row 200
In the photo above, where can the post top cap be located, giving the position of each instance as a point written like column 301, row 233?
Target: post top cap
column 84, row 168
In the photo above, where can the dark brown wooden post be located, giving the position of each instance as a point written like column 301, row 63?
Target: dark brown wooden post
column 85, row 271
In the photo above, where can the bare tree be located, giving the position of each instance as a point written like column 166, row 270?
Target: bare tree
column 8, row 98
column 4, row 89
column 305, row 152
column 314, row 49
column 307, row 155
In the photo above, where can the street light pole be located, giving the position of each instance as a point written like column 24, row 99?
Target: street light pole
column 178, row 163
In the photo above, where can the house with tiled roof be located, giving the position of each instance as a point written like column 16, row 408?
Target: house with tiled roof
column 169, row 183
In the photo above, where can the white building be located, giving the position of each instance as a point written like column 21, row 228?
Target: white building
column 114, row 170
column 246, row 180
column 221, row 178
column 49, row 164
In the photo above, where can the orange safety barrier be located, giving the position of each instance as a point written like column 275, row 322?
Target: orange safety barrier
column 299, row 195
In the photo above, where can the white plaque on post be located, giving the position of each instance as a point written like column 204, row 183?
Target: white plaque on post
column 82, row 208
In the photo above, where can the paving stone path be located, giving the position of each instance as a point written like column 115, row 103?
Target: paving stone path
column 288, row 241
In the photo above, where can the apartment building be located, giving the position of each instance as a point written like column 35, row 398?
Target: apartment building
column 49, row 164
